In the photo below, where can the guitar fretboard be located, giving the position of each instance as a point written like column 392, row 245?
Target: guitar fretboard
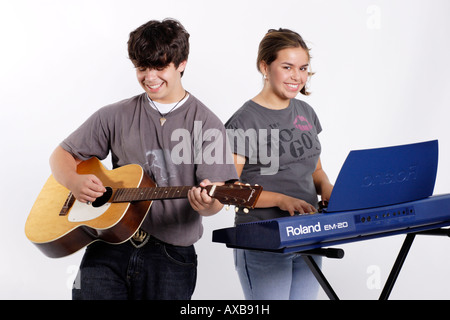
column 152, row 193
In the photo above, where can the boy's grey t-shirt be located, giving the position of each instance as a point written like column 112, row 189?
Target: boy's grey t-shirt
column 282, row 149
column 189, row 148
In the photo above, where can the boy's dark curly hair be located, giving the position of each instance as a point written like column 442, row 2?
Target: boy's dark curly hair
column 158, row 43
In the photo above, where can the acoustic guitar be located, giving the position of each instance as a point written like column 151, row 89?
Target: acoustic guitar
column 60, row 225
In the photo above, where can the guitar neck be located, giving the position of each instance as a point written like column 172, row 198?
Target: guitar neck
column 150, row 193
column 239, row 195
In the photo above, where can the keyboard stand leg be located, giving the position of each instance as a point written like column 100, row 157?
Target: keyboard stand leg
column 320, row 277
column 397, row 266
column 402, row 256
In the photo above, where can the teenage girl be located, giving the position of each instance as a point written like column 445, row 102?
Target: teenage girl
column 293, row 186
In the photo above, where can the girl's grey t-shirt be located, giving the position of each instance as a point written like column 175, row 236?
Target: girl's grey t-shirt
column 187, row 149
column 282, row 149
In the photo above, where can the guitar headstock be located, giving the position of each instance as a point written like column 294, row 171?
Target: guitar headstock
column 238, row 195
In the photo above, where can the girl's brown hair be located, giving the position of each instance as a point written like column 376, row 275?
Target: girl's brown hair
column 277, row 40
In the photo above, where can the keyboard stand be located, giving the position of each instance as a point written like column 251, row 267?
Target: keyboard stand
column 326, row 252
column 407, row 243
column 339, row 253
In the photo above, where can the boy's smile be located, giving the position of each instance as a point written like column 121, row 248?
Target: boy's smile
column 154, row 88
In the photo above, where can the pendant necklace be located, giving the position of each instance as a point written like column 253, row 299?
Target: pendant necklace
column 163, row 118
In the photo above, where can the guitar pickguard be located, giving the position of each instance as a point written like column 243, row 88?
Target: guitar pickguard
column 82, row 212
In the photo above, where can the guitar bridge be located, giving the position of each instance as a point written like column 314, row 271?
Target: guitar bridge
column 67, row 205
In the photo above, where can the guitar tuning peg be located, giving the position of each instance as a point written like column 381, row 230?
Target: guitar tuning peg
column 256, row 185
column 236, row 209
column 227, row 207
column 246, row 210
column 247, row 184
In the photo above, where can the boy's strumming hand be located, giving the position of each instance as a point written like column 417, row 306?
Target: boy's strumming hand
column 86, row 188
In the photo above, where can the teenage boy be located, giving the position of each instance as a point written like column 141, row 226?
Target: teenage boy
column 161, row 262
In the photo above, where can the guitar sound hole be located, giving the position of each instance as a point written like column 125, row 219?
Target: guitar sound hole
column 104, row 198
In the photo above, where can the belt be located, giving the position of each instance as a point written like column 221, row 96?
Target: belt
column 139, row 239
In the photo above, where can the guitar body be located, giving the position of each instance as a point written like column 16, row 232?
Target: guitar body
column 59, row 235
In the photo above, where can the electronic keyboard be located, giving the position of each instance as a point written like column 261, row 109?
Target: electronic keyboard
column 310, row 231
column 379, row 192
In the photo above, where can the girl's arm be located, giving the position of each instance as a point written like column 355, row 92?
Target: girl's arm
column 322, row 183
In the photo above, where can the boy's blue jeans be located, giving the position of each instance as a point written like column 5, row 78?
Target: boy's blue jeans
column 157, row 270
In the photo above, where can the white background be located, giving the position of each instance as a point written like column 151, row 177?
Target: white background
column 382, row 78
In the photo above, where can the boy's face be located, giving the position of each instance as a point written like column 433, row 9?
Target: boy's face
column 162, row 85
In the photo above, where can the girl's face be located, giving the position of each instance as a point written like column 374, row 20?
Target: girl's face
column 288, row 74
